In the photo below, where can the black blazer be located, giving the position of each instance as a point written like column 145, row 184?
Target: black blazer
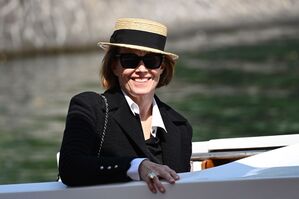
column 124, row 141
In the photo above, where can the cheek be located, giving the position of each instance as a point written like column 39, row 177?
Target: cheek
column 115, row 70
column 118, row 71
column 122, row 74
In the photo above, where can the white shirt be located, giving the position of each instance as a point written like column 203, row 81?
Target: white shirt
column 157, row 121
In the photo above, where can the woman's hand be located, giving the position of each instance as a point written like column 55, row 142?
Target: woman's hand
column 151, row 173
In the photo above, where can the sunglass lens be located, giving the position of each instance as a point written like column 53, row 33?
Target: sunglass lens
column 129, row 60
column 152, row 61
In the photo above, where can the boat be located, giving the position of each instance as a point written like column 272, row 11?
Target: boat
column 252, row 167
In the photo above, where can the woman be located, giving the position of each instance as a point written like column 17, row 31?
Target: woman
column 145, row 139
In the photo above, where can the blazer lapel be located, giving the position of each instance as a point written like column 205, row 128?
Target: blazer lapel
column 129, row 123
column 171, row 141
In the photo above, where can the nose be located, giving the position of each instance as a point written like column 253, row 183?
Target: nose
column 141, row 67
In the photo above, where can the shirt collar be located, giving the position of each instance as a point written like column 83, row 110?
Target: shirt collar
column 157, row 120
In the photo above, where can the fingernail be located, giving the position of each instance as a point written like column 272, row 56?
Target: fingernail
column 162, row 190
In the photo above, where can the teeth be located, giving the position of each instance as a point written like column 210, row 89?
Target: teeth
column 141, row 79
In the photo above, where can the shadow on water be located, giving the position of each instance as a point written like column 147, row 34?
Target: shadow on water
column 232, row 92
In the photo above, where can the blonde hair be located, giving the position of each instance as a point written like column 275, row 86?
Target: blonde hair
column 110, row 80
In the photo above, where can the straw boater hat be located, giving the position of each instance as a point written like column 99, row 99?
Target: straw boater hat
column 140, row 34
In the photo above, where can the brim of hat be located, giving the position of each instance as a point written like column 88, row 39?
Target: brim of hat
column 105, row 46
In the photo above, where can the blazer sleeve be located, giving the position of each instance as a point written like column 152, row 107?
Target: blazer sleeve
column 79, row 164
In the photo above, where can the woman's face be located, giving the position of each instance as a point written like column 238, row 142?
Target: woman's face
column 139, row 81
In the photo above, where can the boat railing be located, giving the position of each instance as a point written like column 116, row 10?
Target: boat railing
column 199, row 185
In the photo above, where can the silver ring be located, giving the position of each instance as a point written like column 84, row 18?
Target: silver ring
column 151, row 175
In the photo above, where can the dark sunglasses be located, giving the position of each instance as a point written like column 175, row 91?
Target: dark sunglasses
column 131, row 60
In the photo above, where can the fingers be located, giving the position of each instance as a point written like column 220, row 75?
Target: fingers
column 151, row 173
column 157, row 184
column 174, row 175
column 151, row 187
column 168, row 177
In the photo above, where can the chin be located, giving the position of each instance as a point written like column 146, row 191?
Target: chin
column 137, row 89
column 140, row 92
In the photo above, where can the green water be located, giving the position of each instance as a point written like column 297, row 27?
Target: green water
column 230, row 92
column 246, row 90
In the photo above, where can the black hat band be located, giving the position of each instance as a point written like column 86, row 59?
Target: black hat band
column 139, row 38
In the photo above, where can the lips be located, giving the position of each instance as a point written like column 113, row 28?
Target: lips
column 141, row 79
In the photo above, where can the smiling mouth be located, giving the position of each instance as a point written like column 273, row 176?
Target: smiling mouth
column 141, row 79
